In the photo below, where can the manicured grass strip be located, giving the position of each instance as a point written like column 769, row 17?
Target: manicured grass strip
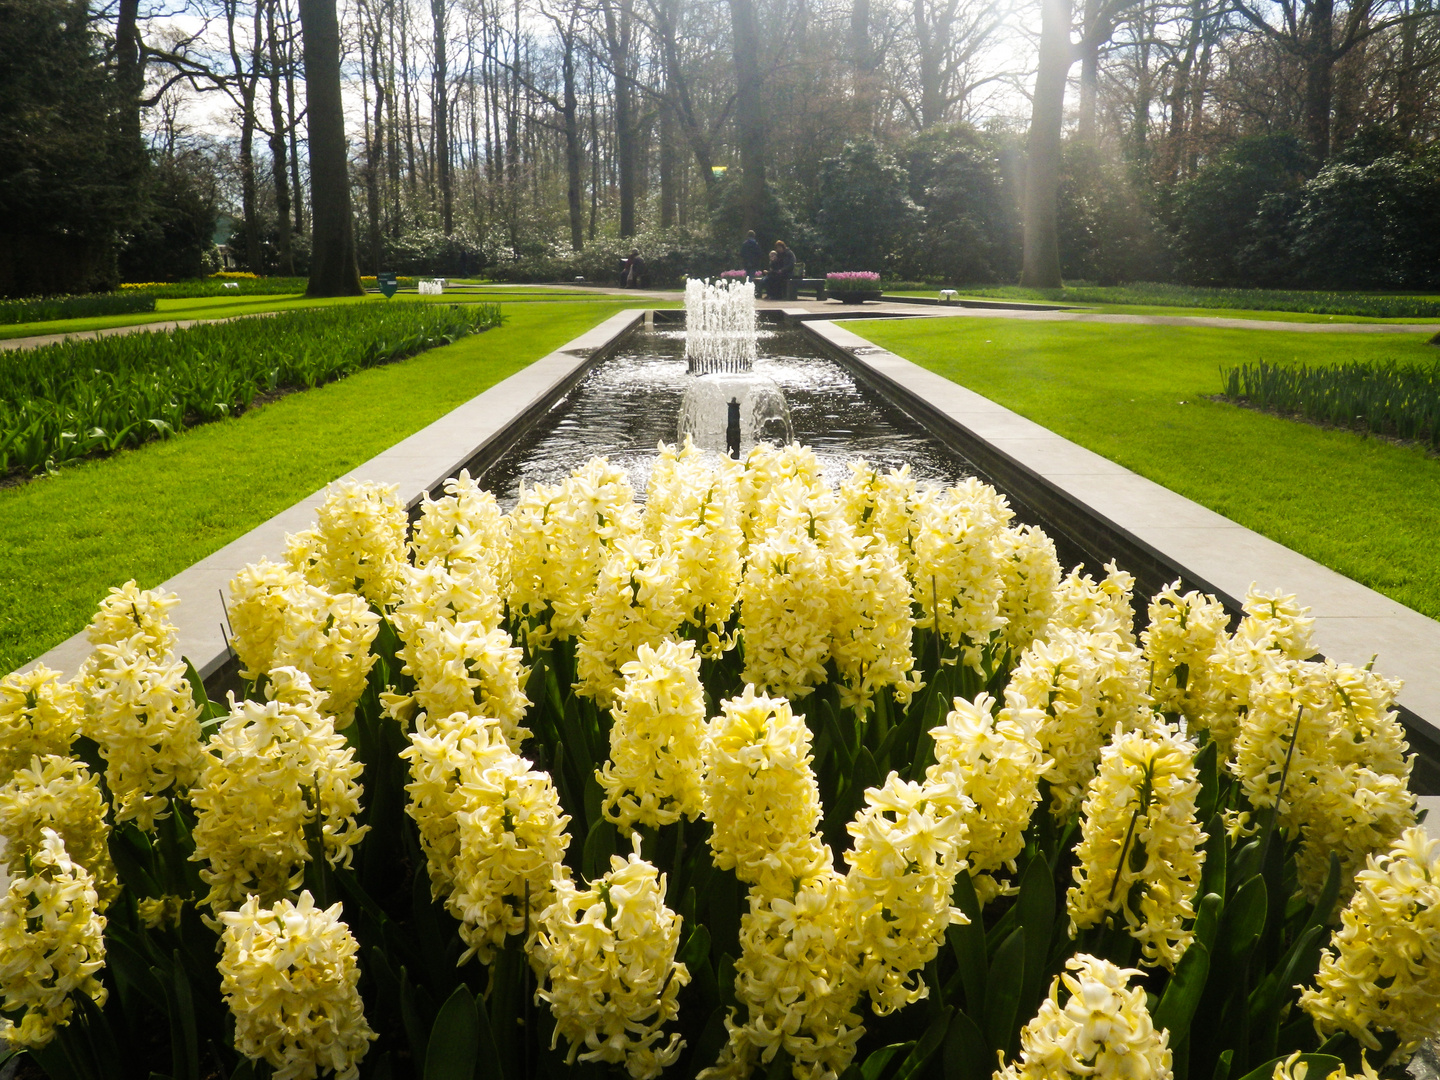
column 228, row 307
column 67, row 401
column 1390, row 399
column 1138, row 395
column 1094, row 307
column 1374, row 305
column 49, row 308
column 149, row 513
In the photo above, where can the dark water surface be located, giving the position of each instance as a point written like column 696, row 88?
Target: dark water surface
column 631, row 401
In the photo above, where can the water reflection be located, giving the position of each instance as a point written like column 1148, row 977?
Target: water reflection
column 627, row 404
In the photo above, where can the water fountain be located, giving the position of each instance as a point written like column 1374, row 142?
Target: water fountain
column 729, row 407
column 720, row 326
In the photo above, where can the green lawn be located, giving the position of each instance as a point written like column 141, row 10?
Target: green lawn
column 1170, row 309
column 151, row 512
column 227, row 307
column 1138, row 395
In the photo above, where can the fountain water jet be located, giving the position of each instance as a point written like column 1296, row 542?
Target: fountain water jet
column 729, row 408
column 719, row 326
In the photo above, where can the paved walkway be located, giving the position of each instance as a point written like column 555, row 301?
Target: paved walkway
column 834, row 310
column 109, row 331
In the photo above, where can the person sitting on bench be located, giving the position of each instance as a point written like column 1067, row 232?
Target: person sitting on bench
column 631, row 270
column 781, row 272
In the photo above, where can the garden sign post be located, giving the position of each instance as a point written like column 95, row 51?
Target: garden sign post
column 387, row 284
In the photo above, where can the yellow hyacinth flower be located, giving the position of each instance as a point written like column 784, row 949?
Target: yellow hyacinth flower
column 653, row 775
column 1103, row 1029
column 1183, row 634
column 464, row 529
column 289, row 976
column 760, row 796
column 52, row 944
column 638, row 601
column 468, row 667
column 785, row 609
column 1141, row 849
column 1345, row 789
column 1082, row 603
column 141, row 712
column 1030, row 574
column 958, row 580
column 1381, row 971
column 510, row 832
column 1084, row 683
column 994, row 762
column 362, row 536
column 58, row 793
column 692, row 510
column 870, row 620
column 560, row 538
column 140, row 616
column 903, row 862
column 607, row 957
column 269, row 771
column 798, row 981
column 39, row 715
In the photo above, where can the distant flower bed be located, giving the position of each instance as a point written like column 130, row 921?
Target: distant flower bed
column 853, row 280
column 734, row 275
column 370, row 281
column 49, row 308
column 232, row 285
column 77, row 398
column 234, row 275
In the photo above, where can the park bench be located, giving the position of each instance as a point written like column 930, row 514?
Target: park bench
column 800, row 285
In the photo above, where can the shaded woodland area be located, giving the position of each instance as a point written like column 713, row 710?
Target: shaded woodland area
column 1245, row 142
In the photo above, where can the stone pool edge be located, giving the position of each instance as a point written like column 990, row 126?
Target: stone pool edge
column 419, row 463
column 1352, row 622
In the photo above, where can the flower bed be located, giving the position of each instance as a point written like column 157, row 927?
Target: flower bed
column 760, row 778
column 50, row 308
column 81, row 397
column 853, row 286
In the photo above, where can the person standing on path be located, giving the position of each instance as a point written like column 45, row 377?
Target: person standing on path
column 782, row 270
column 750, row 257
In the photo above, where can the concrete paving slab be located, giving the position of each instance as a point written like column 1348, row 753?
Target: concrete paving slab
column 416, row 464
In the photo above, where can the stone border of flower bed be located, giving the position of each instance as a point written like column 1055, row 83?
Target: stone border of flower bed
column 1352, row 622
column 462, row 438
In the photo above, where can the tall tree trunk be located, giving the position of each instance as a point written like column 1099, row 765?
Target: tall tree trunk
column 1407, row 94
column 667, row 16
column 1089, row 75
column 410, row 174
column 1179, row 95
column 862, row 61
column 932, row 36
column 129, row 74
column 333, row 271
column 749, row 113
column 442, row 119
column 292, row 124
column 573, row 152
column 374, row 151
column 619, row 30
column 247, row 178
column 594, row 154
column 1319, row 77
column 1041, row 262
column 668, row 156
column 277, row 151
